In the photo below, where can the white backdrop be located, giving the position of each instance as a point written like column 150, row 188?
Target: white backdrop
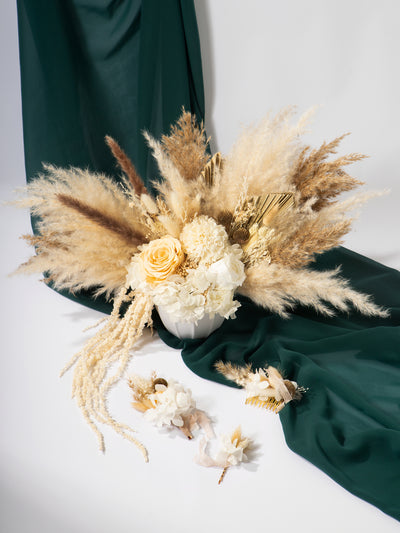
column 342, row 56
column 258, row 55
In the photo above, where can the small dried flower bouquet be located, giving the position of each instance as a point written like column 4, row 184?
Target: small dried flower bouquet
column 168, row 403
column 248, row 223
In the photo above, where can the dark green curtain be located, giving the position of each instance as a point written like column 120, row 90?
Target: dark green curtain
column 91, row 68
column 348, row 422
column 96, row 67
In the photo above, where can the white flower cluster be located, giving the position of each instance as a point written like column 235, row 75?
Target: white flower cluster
column 231, row 453
column 209, row 287
column 258, row 386
column 171, row 403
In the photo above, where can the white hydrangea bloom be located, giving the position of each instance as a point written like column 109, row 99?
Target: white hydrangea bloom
column 182, row 302
column 221, row 302
column 199, row 278
column 170, row 405
column 134, row 278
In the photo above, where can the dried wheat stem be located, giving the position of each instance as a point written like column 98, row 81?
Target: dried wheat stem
column 222, row 475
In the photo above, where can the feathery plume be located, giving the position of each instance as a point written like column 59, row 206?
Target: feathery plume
column 279, row 289
column 108, row 222
column 126, row 166
column 78, row 245
column 238, row 374
column 186, row 146
column 313, row 177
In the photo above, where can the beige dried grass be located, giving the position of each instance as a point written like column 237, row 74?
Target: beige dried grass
column 314, row 177
column 87, row 231
column 186, row 146
column 264, row 155
column 236, row 373
column 279, row 289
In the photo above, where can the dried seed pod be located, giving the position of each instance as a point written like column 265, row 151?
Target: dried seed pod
column 225, row 219
column 160, row 381
column 241, row 235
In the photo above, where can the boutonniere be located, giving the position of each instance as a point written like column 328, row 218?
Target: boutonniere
column 231, row 452
column 265, row 387
column 168, row 404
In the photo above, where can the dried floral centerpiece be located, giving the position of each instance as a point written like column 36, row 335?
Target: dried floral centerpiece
column 250, row 223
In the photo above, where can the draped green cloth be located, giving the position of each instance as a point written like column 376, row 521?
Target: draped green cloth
column 96, row 67
column 91, row 68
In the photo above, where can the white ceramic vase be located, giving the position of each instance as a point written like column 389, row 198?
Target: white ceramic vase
column 190, row 330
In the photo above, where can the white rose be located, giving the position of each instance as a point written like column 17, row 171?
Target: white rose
column 227, row 273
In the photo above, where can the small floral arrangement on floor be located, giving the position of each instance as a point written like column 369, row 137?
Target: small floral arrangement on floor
column 168, row 403
column 249, row 223
column 264, row 387
column 230, row 453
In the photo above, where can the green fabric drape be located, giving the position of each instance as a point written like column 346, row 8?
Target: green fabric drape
column 348, row 423
column 91, row 68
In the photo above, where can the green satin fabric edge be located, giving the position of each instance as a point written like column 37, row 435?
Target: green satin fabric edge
column 348, row 422
column 99, row 67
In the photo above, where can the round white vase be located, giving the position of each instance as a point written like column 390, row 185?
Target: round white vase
column 190, row 330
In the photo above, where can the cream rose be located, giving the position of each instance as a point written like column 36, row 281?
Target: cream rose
column 160, row 258
column 227, row 273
